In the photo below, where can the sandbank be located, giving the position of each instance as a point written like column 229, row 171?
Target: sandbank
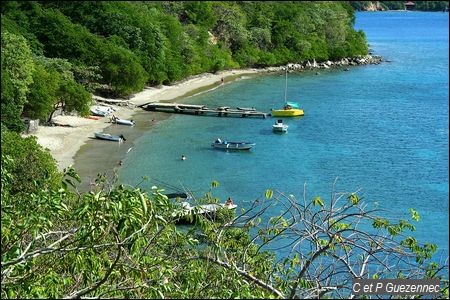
column 64, row 142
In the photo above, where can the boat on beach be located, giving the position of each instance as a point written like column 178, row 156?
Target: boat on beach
column 109, row 137
column 279, row 126
column 101, row 111
column 219, row 144
column 118, row 121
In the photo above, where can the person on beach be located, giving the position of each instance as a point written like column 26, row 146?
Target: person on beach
column 222, row 80
column 113, row 119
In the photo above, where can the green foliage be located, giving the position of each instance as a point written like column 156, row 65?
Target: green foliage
column 17, row 75
column 28, row 168
column 42, row 94
column 74, row 97
column 55, row 86
column 122, row 71
column 138, row 43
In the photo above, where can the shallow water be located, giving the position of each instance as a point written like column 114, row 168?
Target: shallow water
column 382, row 129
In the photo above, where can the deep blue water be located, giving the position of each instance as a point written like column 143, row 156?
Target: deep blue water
column 381, row 129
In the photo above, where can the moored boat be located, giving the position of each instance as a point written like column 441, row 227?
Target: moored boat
column 287, row 111
column 219, row 144
column 279, row 126
column 290, row 109
column 110, row 137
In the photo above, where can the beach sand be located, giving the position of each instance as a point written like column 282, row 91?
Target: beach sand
column 64, row 142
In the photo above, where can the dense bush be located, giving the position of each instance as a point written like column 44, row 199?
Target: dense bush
column 26, row 167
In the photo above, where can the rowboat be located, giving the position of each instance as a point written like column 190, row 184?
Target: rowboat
column 219, row 144
column 110, row 137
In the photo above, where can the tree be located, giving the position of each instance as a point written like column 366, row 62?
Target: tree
column 42, row 94
column 122, row 71
column 73, row 98
column 17, row 69
column 55, row 88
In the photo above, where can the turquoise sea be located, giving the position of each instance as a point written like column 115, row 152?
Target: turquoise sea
column 379, row 129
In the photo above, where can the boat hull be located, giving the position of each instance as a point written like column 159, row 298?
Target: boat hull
column 280, row 128
column 233, row 146
column 108, row 137
column 124, row 122
column 293, row 112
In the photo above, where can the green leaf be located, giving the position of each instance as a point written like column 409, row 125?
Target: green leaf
column 214, row 184
column 143, row 203
column 317, row 201
column 414, row 215
column 269, row 194
column 353, row 198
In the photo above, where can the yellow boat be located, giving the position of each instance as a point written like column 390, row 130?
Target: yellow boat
column 290, row 109
column 287, row 112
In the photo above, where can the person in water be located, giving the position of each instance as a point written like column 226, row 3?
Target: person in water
column 183, row 157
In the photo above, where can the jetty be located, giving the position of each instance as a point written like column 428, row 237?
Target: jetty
column 193, row 109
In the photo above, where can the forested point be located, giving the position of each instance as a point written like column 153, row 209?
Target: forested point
column 122, row 242
column 400, row 5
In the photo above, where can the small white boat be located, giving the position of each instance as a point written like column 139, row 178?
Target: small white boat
column 232, row 145
column 101, row 111
column 123, row 121
column 279, row 126
column 110, row 137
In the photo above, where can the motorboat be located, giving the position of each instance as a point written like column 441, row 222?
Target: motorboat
column 279, row 126
column 219, row 144
column 110, row 137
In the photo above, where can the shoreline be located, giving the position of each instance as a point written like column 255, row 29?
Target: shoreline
column 64, row 142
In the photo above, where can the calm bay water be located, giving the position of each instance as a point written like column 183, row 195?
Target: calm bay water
column 381, row 129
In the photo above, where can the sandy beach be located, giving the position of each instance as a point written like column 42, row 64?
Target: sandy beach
column 64, row 142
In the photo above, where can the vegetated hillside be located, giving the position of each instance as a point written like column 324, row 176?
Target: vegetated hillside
column 399, row 5
column 137, row 43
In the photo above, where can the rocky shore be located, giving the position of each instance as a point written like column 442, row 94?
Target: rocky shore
column 344, row 62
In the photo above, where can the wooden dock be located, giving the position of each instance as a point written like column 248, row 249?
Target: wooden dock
column 192, row 109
